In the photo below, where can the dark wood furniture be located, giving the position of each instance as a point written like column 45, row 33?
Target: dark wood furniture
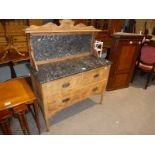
column 16, row 92
column 20, row 112
column 123, row 54
column 107, row 27
column 146, row 61
column 5, row 116
column 63, row 68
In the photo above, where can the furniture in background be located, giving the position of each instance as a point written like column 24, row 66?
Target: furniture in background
column 146, row 61
column 20, row 112
column 63, row 68
column 13, row 43
column 14, row 95
column 107, row 27
column 5, row 117
column 123, row 54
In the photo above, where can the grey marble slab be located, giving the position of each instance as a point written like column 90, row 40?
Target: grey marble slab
column 57, row 70
column 54, row 45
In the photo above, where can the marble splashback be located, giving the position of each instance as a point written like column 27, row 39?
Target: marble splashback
column 60, row 45
column 56, row 70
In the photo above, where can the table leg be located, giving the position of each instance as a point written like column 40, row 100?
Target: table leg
column 35, row 107
column 101, row 100
column 12, row 70
column 21, row 123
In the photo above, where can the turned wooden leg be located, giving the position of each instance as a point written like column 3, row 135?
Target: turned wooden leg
column 5, row 117
column 20, row 111
column 20, row 118
column 35, row 107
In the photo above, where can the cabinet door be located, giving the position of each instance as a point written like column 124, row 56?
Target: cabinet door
column 126, row 57
column 123, row 55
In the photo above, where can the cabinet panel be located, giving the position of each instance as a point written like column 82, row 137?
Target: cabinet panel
column 126, row 57
column 123, row 55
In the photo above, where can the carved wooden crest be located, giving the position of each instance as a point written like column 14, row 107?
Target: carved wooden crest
column 66, row 25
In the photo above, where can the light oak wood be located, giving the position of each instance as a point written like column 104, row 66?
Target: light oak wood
column 65, row 26
column 61, row 93
column 62, row 58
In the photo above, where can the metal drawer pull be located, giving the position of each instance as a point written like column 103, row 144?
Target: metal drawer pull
column 94, row 89
column 96, row 75
column 65, row 85
column 65, row 100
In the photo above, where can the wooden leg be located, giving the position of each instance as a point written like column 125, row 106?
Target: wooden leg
column 12, row 70
column 22, row 123
column 148, row 79
column 5, row 126
column 134, row 74
column 8, row 128
column 35, row 107
column 25, row 123
column 101, row 100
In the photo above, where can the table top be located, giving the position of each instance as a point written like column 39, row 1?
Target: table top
column 15, row 92
column 56, row 70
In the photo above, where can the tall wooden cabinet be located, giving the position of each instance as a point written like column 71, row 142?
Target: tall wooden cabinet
column 123, row 54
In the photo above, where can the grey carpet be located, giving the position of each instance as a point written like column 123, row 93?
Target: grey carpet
column 126, row 111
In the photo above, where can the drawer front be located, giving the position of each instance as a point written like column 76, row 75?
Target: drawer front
column 95, row 75
column 19, row 39
column 93, row 89
column 21, row 46
column 64, row 84
column 59, row 100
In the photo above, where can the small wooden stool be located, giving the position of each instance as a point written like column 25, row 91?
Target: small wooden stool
column 20, row 112
column 5, row 117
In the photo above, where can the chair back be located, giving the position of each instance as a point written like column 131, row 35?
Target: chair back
column 148, row 54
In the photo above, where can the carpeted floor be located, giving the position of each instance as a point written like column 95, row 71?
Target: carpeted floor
column 126, row 111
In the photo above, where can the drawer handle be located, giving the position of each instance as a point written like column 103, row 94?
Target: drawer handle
column 65, row 85
column 94, row 89
column 65, row 100
column 96, row 75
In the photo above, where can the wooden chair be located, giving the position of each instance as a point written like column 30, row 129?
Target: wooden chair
column 146, row 61
column 5, row 117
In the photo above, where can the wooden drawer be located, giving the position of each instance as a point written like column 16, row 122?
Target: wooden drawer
column 64, row 84
column 95, row 75
column 19, row 39
column 93, row 89
column 58, row 101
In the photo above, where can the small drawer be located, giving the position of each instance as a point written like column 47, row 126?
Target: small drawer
column 58, row 101
column 95, row 75
column 19, row 38
column 93, row 89
column 65, row 84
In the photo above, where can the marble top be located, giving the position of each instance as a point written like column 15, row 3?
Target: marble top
column 56, row 70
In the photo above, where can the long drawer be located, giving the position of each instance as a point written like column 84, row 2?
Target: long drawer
column 78, row 80
column 58, row 100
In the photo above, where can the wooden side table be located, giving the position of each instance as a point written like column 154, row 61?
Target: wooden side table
column 16, row 92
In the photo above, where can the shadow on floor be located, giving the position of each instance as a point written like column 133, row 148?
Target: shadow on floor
column 140, row 80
